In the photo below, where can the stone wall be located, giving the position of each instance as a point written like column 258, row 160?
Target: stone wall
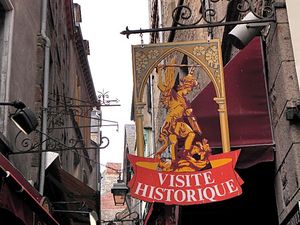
column 283, row 90
column 110, row 176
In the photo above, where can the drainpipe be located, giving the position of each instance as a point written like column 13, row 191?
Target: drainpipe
column 159, row 9
column 9, row 25
column 45, row 95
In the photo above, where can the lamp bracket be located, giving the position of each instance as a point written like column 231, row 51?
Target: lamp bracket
column 255, row 25
column 17, row 104
column 185, row 17
column 133, row 215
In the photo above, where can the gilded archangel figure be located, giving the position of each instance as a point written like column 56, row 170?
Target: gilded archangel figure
column 180, row 123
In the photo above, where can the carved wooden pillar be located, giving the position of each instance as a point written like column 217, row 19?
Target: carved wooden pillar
column 139, row 128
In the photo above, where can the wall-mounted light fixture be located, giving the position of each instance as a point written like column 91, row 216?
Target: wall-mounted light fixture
column 242, row 34
column 23, row 117
column 292, row 112
column 119, row 191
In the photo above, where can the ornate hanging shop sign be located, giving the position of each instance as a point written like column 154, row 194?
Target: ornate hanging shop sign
column 218, row 183
column 183, row 171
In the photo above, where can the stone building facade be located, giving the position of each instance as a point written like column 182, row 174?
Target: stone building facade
column 43, row 63
column 108, row 208
column 279, row 174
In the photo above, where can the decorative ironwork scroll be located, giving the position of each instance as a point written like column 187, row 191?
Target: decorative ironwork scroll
column 213, row 13
column 105, row 100
column 210, row 12
column 25, row 144
column 63, row 113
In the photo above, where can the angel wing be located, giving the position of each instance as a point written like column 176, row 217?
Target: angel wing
column 169, row 81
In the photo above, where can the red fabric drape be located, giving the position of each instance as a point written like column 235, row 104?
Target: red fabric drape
column 247, row 103
column 247, row 106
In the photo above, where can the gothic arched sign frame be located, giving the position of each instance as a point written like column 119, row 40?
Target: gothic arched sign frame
column 207, row 54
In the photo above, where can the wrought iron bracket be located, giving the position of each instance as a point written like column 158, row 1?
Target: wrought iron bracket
column 28, row 145
column 207, row 17
column 132, row 217
column 104, row 99
column 61, row 113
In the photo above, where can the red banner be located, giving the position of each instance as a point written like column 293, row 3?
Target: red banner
column 218, row 183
